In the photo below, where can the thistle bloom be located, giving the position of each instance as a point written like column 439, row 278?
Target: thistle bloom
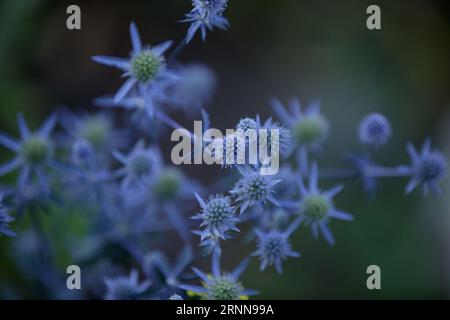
column 254, row 188
column 274, row 247
column 309, row 128
column 317, row 208
column 374, row 130
column 138, row 165
column 194, row 89
column 146, row 69
column 5, row 219
column 221, row 285
column 206, row 15
column 218, row 217
column 33, row 153
column 427, row 168
column 126, row 288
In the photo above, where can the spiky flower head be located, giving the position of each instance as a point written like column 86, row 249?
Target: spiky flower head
column 317, row 208
column 374, row 130
column 254, row 188
column 146, row 70
column 218, row 217
column 221, row 285
column 205, row 16
column 309, row 127
column 274, row 247
column 5, row 219
column 427, row 168
column 125, row 288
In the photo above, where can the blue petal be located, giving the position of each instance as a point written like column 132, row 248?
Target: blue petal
column 126, row 87
column 10, row 166
column 9, row 143
column 48, row 126
column 240, row 269
column 120, row 63
column 135, row 38
column 23, row 128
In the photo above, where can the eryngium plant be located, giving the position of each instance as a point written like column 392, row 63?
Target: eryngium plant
column 131, row 198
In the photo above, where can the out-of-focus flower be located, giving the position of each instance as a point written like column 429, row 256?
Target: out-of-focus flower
column 34, row 152
column 126, row 288
column 374, row 130
column 5, row 219
column 427, row 168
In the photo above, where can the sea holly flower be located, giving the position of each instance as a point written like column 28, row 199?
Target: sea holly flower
column 309, row 128
column 34, row 152
column 274, row 247
column 317, row 207
column 194, row 88
column 254, row 189
column 126, row 288
column 218, row 217
column 221, row 285
column 427, row 168
column 145, row 69
column 5, row 219
column 205, row 16
column 138, row 165
column 374, row 130
column 171, row 275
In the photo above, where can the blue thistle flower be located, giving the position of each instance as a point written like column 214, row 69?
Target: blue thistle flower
column 195, row 87
column 5, row 219
column 274, row 247
column 218, row 217
column 139, row 164
column 246, row 124
column 309, row 128
column 427, row 168
column 206, row 15
column 284, row 135
column 126, row 288
column 254, row 188
column 317, row 208
column 374, row 130
column 34, row 152
column 221, row 285
column 157, row 264
column 145, row 69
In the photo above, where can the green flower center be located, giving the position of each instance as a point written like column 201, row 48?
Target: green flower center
column 258, row 188
column 217, row 211
column 145, row 66
column 35, row 150
column 315, row 207
column 95, row 130
column 311, row 130
column 224, row 288
column 168, row 184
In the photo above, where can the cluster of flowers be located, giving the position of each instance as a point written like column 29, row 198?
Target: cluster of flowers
column 137, row 195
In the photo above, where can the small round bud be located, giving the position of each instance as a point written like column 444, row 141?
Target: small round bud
column 374, row 130
column 218, row 211
column 145, row 66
